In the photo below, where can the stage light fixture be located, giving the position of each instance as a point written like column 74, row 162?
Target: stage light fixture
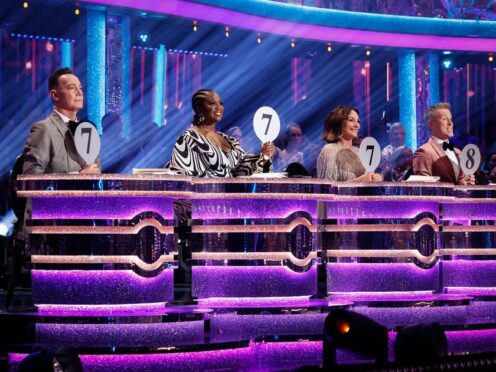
column 490, row 58
column 227, row 31
column 329, row 47
column 195, row 25
column 259, row 39
column 293, row 44
column 355, row 333
column 25, row 4
column 368, row 52
column 143, row 37
column 76, row 12
column 422, row 342
column 447, row 63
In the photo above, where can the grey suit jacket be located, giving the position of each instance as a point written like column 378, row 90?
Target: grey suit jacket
column 50, row 148
column 431, row 160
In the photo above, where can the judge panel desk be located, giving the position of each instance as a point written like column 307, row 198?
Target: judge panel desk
column 137, row 239
column 156, row 272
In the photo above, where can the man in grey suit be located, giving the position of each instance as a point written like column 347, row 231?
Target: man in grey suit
column 50, row 148
column 50, row 145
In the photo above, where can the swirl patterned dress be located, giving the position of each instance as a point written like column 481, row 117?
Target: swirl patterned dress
column 195, row 155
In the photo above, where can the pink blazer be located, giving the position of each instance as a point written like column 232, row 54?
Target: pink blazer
column 431, row 160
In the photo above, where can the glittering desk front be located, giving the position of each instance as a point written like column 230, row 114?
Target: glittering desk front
column 112, row 239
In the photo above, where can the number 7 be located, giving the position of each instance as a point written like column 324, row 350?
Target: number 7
column 87, row 131
column 267, row 116
column 371, row 148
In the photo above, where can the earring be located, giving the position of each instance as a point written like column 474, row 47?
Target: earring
column 201, row 118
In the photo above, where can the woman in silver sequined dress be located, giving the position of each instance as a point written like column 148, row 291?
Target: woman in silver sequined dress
column 339, row 160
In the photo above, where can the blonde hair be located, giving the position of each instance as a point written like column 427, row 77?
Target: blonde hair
column 429, row 115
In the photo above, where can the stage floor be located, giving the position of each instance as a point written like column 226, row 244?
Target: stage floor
column 277, row 333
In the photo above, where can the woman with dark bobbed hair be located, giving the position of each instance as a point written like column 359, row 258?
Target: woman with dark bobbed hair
column 202, row 151
column 339, row 160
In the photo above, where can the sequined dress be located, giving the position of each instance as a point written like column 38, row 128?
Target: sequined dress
column 338, row 163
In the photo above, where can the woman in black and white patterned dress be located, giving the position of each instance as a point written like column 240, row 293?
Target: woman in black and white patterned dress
column 202, row 151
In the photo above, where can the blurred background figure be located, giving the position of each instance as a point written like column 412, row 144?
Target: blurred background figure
column 399, row 165
column 291, row 150
column 397, row 135
column 487, row 171
column 296, row 148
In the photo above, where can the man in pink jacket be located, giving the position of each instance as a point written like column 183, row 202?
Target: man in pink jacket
column 439, row 157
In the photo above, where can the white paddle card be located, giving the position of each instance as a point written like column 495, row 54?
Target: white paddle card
column 470, row 159
column 266, row 124
column 87, row 141
column 370, row 153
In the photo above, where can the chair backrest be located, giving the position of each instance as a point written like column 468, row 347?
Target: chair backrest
column 17, row 204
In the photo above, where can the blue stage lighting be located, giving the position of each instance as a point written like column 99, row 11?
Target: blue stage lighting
column 447, row 64
column 7, row 224
column 144, row 37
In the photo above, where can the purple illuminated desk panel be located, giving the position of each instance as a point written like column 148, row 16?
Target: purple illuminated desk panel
column 111, row 239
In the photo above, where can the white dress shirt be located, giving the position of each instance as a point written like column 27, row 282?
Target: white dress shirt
column 64, row 118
